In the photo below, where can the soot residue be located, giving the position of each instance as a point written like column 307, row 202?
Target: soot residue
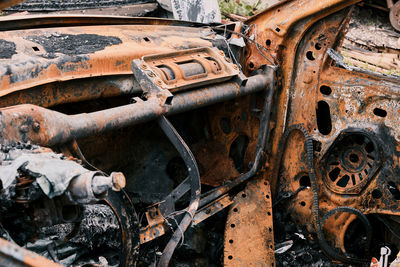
column 79, row 44
column 7, row 49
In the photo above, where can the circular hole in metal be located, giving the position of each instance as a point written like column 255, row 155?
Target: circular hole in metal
column 231, row 241
column 318, row 46
column 230, row 257
column 268, row 42
column 277, row 29
column 233, row 225
column 251, row 65
column 310, row 55
column 377, row 194
column 235, row 210
column 244, row 195
column 325, row 90
column 303, row 203
column 267, row 196
column 380, row 112
column 354, row 158
column 305, row 181
column 269, row 213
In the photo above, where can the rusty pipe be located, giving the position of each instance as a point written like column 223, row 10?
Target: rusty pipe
column 46, row 127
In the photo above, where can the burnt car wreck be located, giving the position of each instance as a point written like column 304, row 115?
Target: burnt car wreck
column 146, row 141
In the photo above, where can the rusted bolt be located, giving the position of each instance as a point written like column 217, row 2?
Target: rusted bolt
column 36, row 127
column 221, row 53
column 158, row 82
column 143, row 66
column 118, row 181
column 151, row 74
column 235, row 67
column 23, row 128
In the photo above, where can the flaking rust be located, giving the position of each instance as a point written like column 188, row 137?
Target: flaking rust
column 296, row 150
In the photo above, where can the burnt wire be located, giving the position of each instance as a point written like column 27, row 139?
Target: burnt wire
column 274, row 62
column 195, row 189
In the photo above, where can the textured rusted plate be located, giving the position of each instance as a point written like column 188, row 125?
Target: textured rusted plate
column 249, row 236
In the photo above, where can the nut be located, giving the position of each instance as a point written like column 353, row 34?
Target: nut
column 118, row 180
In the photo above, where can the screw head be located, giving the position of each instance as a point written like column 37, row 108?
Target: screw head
column 143, row 66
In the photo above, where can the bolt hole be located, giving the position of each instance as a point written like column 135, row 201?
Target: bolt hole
column 354, row 158
column 268, row 42
column 318, row 46
column 303, row 203
column 230, row 241
column 251, row 65
column 270, row 229
column 35, row 48
column 233, row 225
column 146, row 39
column 377, row 194
column 230, row 257
column 310, row 55
column 235, row 210
column 305, row 181
column 243, row 195
column 277, row 29
column 380, row 112
column 267, row 196
column 325, row 90
column 269, row 213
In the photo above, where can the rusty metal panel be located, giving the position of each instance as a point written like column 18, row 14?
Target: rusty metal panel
column 249, row 235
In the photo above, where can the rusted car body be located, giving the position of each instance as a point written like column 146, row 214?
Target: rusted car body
column 280, row 122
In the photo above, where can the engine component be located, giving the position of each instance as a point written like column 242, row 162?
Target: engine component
column 290, row 125
column 350, row 162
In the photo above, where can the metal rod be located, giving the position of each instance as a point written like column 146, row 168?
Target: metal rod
column 194, row 177
column 42, row 126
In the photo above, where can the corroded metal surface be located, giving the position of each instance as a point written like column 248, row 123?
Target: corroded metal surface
column 14, row 255
column 249, row 236
column 322, row 135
